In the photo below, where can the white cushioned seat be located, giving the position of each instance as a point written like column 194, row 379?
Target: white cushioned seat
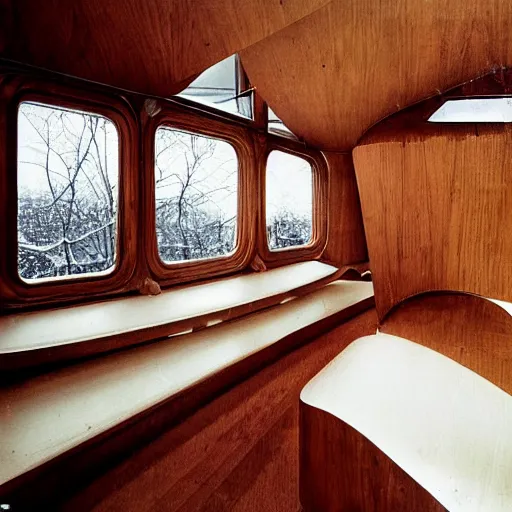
column 444, row 425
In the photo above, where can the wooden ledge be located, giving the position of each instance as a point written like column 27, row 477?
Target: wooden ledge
column 445, row 426
column 35, row 338
column 50, row 415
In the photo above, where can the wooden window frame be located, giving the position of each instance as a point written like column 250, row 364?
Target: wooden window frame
column 314, row 249
column 175, row 117
column 14, row 291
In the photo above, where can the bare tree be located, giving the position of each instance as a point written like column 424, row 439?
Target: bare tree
column 67, row 195
column 66, row 210
column 196, row 184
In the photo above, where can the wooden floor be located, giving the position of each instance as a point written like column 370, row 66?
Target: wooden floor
column 239, row 453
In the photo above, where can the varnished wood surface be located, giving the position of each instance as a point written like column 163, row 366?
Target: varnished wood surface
column 444, row 425
column 241, row 141
column 333, row 74
column 125, row 385
column 16, row 87
column 168, row 42
column 436, row 205
column 329, row 69
column 471, row 330
column 346, row 240
column 237, row 454
column 342, row 471
column 139, row 261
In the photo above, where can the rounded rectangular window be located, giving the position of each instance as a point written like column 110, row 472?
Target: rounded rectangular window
column 474, row 110
column 68, row 169
column 196, row 189
column 289, row 201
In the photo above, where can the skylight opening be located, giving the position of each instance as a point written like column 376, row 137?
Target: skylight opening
column 222, row 86
column 474, row 110
column 276, row 126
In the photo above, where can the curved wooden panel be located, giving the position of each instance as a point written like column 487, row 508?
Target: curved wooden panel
column 437, row 204
column 346, row 242
column 154, row 47
column 442, row 424
column 335, row 73
column 471, row 330
column 342, row 471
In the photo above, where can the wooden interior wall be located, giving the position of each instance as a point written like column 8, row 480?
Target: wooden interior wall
column 329, row 68
column 437, row 205
column 473, row 331
column 336, row 72
column 346, row 242
column 343, row 471
column 239, row 453
column 154, row 47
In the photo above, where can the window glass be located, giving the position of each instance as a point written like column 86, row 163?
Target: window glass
column 474, row 110
column 219, row 86
column 67, row 192
column 289, row 200
column 196, row 180
column 276, row 126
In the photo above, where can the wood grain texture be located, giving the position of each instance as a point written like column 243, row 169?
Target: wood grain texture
column 138, row 255
column 436, row 205
column 238, row 453
column 126, row 385
column 346, row 242
column 342, row 471
column 154, row 47
column 333, row 74
column 241, row 140
column 473, row 331
column 18, row 87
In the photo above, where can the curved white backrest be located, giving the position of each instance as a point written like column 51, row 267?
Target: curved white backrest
column 444, row 425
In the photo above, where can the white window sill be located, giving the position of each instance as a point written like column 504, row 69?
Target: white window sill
column 49, row 415
column 50, row 335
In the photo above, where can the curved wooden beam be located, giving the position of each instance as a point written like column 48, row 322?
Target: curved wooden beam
column 342, row 471
column 154, row 47
column 333, row 74
column 436, row 201
column 471, row 330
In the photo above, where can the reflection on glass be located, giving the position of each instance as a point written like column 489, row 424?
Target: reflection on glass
column 275, row 125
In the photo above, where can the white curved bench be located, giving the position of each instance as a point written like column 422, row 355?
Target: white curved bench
column 444, row 425
column 49, row 415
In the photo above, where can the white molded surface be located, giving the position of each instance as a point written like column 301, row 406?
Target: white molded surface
column 444, row 425
column 48, row 415
column 40, row 329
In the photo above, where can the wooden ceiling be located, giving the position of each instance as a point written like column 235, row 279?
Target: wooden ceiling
column 151, row 46
column 333, row 74
column 329, row 68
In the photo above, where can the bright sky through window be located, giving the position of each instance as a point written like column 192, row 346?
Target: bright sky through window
column 289, row 200
column 474, row 110
column 67, row 192
column 196, row 181
column 218, row 87
column 275, row 125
